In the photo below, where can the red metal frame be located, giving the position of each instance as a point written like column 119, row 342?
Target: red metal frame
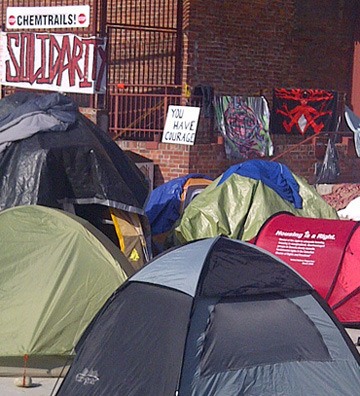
column 144, row 52
column 138, row 112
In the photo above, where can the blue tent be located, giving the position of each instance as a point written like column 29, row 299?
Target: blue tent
column 163, row 207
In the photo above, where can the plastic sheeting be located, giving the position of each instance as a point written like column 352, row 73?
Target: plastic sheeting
column 78, row 165
column 330, row 169
column 163, row 206
column 238, row 208
column 273, row 174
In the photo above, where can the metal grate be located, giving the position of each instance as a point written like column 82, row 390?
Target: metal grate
column 138, row 112
column 144, row 52
column 144, row 41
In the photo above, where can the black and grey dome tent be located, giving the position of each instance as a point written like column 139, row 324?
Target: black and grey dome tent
column 53, row 155
column 214, row 317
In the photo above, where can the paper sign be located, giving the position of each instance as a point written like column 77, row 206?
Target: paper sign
column 48, row 17
column 180, row 126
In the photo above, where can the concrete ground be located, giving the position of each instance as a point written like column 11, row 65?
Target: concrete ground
column 355, row 336
column 49, row 386
column 41, row 387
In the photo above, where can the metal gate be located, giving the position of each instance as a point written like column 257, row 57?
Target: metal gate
column 144, row 42
column 144, row 57
column 144, row 65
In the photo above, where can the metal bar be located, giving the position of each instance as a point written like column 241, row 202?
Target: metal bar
column 178, row 67
column 140, row 114
column 146, row 28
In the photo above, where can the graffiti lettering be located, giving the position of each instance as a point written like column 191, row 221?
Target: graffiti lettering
column 67, row 62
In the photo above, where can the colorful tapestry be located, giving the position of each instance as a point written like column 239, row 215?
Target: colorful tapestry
column 244, row 123
column 303, row 111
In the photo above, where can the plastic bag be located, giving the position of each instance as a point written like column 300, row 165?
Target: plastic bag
column 329, row 171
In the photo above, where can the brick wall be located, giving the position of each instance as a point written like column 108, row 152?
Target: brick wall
column 248, row 47
column 173, row 160
column 303, row 159
column 170, row 160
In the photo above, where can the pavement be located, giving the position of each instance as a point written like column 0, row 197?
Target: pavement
column 354, row 335
column 40, row 387
column 48, row 386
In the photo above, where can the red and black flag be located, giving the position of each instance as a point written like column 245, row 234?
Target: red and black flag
column 303, row 111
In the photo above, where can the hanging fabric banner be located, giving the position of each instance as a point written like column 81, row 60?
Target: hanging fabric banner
column 55, row 62
column 244, row 123
column 303, row 111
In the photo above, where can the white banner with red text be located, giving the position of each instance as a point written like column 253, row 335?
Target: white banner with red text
column 53, row 62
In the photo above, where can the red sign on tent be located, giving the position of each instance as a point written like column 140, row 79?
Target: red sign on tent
column 325, row 252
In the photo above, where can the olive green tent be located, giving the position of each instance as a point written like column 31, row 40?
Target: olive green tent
column 56, row 271
column 239, row 206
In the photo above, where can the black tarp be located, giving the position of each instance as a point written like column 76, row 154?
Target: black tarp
column 74, row 162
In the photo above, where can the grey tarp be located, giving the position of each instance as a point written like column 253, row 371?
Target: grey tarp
column 26, row 114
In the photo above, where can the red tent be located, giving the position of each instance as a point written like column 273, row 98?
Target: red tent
column 325, row 252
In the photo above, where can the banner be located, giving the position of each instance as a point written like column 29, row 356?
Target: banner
column 303, row 111
column 47, row 17
column 54, row 62
column 244, row 123
column 307, row 244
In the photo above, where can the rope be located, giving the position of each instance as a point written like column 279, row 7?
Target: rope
column 293, row 148
column 26, row 358
column 59, row 376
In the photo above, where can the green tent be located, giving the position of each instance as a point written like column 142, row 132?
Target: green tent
column 56, row 272
column 239, row 207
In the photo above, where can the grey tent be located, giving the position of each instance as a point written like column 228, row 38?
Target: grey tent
column 214, row 317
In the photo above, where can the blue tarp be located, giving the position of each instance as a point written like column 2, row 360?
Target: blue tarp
column 163, row 207
column 273, row 174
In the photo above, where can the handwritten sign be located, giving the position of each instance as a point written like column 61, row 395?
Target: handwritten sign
column 55, row 62
column 181, row 124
